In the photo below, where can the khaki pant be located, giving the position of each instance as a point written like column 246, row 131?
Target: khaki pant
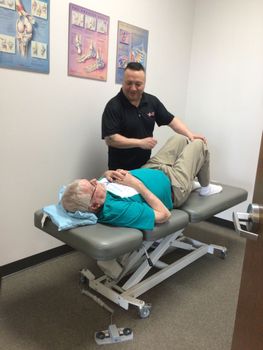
column 182, row 160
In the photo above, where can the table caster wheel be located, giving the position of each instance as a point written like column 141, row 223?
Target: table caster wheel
column 223, row 254
column 127, row 331
column 82, row 279
column 100, row 335
column 145, row 311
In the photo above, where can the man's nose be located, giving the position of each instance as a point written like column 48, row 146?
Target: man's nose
column 133, row 86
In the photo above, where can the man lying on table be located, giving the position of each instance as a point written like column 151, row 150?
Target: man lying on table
column 142, row 197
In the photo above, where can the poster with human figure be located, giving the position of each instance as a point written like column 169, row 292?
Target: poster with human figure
column 88, row 43
column 24, row 35
column 132, row 45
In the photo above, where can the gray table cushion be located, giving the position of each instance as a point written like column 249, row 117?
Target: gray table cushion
column 201, row 208
column 178, row 220
column 103, row 242
column 100, row 242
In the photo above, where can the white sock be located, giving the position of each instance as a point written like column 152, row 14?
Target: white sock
column 195, row 185
column 210, row 190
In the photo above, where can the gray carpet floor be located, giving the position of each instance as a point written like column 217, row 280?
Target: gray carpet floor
column 42, row 307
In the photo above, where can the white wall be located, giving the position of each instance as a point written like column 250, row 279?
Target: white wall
column 50, row 124
column 226, row 88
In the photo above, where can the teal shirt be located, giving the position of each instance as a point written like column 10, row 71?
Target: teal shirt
column 133, row 211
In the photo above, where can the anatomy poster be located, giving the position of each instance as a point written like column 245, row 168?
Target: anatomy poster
column 132, row 44
column 88, row 43
column 24, row 35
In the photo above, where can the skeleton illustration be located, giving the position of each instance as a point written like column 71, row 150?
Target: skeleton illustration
column 99, row 64
column 90, row 54
column 34, row 48
column 3, row 43
column 138, row 54
column 78, row 43
column 24, row 28
column 7, row 44
column 42, row 50
column 7, row 3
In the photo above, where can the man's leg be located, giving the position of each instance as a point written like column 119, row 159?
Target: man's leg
column 193, row 161
column 182, row 161
column 169, row 153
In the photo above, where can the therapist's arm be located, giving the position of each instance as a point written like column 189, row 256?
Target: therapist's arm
column 161, row 213
column 178, row 126
column 119, row 141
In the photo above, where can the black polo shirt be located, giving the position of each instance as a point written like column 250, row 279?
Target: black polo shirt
column 121, row 117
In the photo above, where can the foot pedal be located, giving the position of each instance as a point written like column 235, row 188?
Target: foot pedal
column 113, row 335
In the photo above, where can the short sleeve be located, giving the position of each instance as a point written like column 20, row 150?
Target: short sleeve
column 111, row 120
column 127, row 213
column 163, row 116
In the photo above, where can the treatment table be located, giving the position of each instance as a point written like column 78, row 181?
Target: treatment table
column 126, row 255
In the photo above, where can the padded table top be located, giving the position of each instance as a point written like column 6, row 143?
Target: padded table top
column 103, row 242
column 99, row 241
column 178, row 220
column 201, row 208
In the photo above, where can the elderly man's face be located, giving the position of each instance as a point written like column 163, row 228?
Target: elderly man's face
column 95, row 189
column 133, row 85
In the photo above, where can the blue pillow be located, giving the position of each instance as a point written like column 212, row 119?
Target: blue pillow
column 65, row 220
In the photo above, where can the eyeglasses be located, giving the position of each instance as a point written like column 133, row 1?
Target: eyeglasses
column 94, row 190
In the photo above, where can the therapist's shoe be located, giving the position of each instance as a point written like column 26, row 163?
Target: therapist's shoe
column 210, row 190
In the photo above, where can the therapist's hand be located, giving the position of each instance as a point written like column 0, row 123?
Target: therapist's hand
column 148, row 143
column 197, row 136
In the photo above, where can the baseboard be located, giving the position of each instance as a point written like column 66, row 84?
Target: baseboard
column 55, row 252
column 33, row 260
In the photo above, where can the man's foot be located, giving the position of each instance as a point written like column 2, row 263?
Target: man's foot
column 210, row 190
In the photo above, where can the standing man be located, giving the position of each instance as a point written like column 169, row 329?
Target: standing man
column 128, row 122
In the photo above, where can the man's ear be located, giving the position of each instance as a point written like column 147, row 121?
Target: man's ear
column 94, row 207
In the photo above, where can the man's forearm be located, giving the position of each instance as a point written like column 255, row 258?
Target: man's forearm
column 162, row 214
column 119, row 141
column 178, row 126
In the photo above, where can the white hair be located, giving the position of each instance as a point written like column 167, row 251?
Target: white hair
column 74, row 198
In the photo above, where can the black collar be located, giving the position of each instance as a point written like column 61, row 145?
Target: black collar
column 125, row 101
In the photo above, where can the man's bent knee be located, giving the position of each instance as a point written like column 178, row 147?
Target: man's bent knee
column 179, row 137
column 200, row 144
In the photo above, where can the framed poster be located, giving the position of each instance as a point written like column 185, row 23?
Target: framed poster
column 88, row 43
column 24, row 35
column 132, row 46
